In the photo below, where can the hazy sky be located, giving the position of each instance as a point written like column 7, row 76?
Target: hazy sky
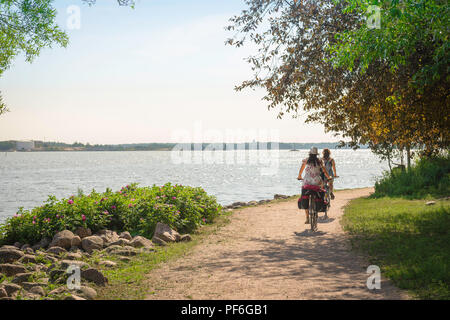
column 142, row 75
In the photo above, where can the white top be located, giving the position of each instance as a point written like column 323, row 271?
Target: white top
column 312, row 175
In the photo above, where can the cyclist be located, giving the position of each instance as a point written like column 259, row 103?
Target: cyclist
column 330, row 167
column 312, row 180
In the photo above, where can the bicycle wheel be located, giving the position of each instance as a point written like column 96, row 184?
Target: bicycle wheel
column 313, row 213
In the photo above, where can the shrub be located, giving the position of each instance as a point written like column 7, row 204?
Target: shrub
column 428, row 177
column 133, row 209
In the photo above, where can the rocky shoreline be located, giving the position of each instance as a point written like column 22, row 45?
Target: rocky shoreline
column 40, row 271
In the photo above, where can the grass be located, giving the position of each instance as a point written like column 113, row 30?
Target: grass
column 127, row 281
column 408, row 240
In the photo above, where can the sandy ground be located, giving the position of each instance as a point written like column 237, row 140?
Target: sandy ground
column 267, row 252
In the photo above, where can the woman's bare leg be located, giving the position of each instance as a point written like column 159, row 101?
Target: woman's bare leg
column 307, row 216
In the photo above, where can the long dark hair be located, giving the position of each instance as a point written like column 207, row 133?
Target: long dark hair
column 326, row 154
column 313, row 160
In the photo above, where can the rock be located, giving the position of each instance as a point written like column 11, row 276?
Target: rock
column 280, row 196
column 30, row 285
column 3, row 293
column 86, row 292
column 76, row 242
column 165, row 233
column 95, row 276
column 73, row 297
column 253, row 203
column 25, row 246
column 63, row 239
column 66, row 263
column 121, row 242
column 22, row 277
column 28, row 258
column 38, row 290
column 92, row 243
column 56, row 275
column 56, row 250
column 18, row 245
column 107, row 263
column 12, row 269
column 125, row 235
column 11, row 288
column 50, row 258
column 108, row 236
column 430, row 203
column 8, row 255
column 57, row 291
column 159, row 241
column 28, row 251
column 73, row 256
column 139, row 242
column 83, row 232
column 186, row 238
column 126, row 251
column 125, row 259
column 44, row 243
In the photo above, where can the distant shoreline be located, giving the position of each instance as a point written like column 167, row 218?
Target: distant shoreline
column 40, row 146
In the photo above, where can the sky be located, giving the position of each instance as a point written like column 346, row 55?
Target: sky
column 157, row 73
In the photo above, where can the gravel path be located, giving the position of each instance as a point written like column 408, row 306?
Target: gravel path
column 267, row 252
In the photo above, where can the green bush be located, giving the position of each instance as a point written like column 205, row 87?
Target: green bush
column 133, row 209
column 428, row 177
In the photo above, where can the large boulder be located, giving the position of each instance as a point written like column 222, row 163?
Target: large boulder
column 125, row 235
column 83, row 232
column 10, row 254
column 3, row 293
column 165, row 233
column 76, row 242
column 92, row 243
column 139, row 242
column 63, row 239
column 22, row 277
column 12, row 269
column 95, row 276
column 108, row 236
column 66, row 263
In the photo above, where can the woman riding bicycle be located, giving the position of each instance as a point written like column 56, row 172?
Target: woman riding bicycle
column 330, row 167
column 312, row 166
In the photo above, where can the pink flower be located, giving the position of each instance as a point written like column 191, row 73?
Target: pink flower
column 34, row 222
column 83, row 217
column 113, row 207
column 173, row 198
column 105, row 212
column 130, row 205
column 70, row 201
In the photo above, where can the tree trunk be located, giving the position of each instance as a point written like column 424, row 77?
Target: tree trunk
column 408, row 156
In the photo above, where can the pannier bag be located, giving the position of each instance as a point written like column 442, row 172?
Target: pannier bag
column 303, row 201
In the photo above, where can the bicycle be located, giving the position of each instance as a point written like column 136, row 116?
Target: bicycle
column 328, row 197
column 313, row 194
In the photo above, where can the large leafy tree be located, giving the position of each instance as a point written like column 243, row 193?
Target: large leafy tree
column 28, row 26
column 372, row 102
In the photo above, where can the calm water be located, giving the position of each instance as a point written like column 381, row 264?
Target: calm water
column 27, row 179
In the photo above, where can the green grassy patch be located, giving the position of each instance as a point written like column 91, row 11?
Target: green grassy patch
column 408, row 240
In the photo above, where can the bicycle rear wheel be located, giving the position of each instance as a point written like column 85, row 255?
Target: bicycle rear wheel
column 313, row 213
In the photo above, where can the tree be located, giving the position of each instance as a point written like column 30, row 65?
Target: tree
column 28, row 26
column 298, row 70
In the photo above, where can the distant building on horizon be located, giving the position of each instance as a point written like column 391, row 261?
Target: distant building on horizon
column 24, row 145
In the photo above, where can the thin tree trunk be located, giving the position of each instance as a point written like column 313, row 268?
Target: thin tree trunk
column 408, row 156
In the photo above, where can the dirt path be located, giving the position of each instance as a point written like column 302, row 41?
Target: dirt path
column 266, row 252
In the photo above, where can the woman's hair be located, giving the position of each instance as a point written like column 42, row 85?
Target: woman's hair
column 326, row 153
column 313, row 160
